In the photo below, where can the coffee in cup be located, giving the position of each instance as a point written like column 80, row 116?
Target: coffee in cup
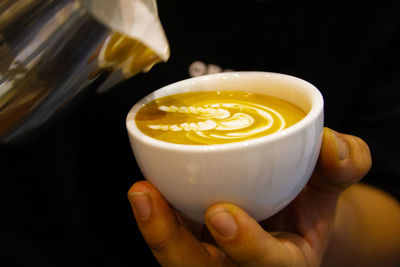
column 215, row 117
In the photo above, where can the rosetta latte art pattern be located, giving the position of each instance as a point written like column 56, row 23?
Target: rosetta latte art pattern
column 228, row 120
column 215, row 117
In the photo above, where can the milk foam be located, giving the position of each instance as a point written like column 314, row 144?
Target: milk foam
column 228, row 120
column 215, row 117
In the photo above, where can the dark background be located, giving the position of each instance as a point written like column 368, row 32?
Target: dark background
column 63, row 195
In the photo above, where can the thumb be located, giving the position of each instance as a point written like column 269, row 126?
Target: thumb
column 246, row 242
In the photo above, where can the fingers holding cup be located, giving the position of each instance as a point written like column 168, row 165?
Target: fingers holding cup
column 170, row 242
column 344, row 160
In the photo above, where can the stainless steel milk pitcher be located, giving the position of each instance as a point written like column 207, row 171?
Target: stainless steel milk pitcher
column 51, row 51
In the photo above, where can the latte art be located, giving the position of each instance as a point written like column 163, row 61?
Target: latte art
column 229, row 120
column 215, row 117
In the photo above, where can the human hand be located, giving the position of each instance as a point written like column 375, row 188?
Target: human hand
column 296, row 236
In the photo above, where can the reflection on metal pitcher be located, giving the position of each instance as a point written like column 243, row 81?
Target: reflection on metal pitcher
column 52, row 51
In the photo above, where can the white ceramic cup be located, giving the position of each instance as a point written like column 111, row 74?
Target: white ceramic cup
column 259, row 175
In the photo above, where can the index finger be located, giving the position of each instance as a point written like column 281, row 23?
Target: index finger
column 344, row 159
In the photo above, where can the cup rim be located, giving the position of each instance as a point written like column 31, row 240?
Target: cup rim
column 316, row 109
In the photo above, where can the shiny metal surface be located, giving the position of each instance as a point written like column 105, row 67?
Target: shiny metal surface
column 52, row 51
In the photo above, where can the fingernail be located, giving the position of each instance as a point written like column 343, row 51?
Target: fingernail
column 341, row 145
column 141, row 205
column 223, row 223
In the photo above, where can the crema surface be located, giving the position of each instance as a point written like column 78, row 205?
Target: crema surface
column 216, row 117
